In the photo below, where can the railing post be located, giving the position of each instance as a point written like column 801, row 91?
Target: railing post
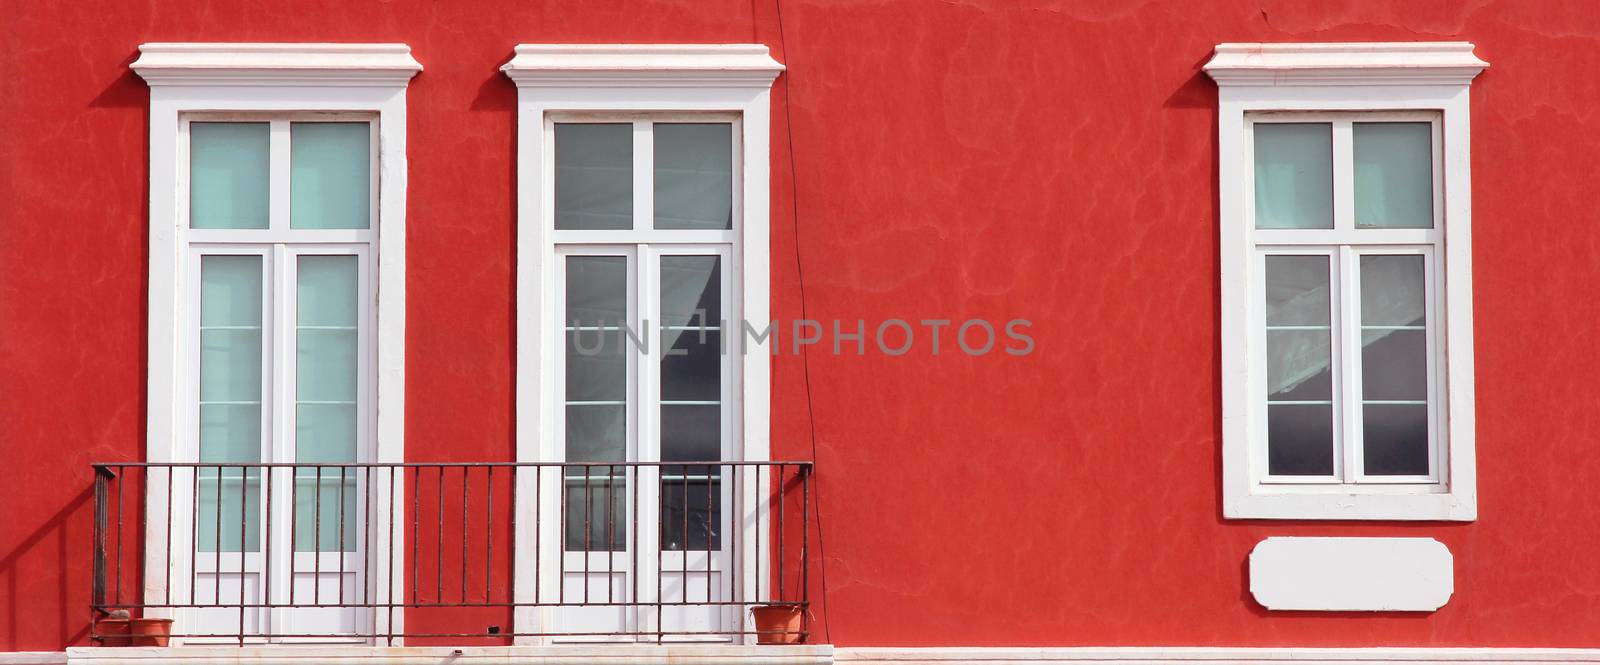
column 101, row 510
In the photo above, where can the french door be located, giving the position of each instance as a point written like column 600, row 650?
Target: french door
column 280, row 358
column 645, row 381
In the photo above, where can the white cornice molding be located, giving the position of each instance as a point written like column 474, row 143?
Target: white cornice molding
column 1360, row 63
column 256, row 64
column 642, row 65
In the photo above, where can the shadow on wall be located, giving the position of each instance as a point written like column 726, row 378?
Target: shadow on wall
column 63, row 536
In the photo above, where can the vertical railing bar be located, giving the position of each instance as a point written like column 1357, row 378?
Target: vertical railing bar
column 805, row 548
column 632, row 486
column 488, row 538
column 101, row 514
column 244, row 511
column 166, row 580
column 294, row 527
column 121, row 480
column 438, row 545
column 342, row 480
column 683, row 564
column 316, row 539
column 216, row 568
column 266, row 546
column 367, row 561
column 588, row 520
column 144, row 515
column 464, row 531
column 661, row 545
column 561, row 539
column 736, row 521
column 416, row 542
column 760, row 513
column 388, row 593
column 711, row 544
column 611, row 539
column 782, row 478
column 538, row 554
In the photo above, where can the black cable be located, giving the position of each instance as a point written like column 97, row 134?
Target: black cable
column 800, row 275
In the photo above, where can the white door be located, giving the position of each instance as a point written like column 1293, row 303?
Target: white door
column 644, row 546
column 280, row 355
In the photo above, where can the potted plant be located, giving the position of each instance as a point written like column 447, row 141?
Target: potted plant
column 112, row 629
column 778, row 624
column 149, row 632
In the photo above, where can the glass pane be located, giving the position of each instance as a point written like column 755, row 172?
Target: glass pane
column 229, row 524
column 1294, row 175
column 597, row 290
column 691, row 291
column 228, row 175
column 691, row 368
column 694, row 175
column 1394, row 174
column 595, row 433
column 1299, row 365
column 330, row 175
column 230, row 402
column 596, row 509
column 322, row 507
column 594, row 176
column 691, row 432
column 327, row 349
column 1395, row 439
column 1297, row 290
column 1394, row 361
column 690, row 508
column 597, row 369
column 1392, row 290
column 1300, row 439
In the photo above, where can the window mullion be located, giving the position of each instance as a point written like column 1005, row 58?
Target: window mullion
column 1348, row 323
column 1344, row 196
column 278, row 178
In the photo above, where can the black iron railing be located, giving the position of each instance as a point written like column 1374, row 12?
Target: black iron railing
column 252, row 552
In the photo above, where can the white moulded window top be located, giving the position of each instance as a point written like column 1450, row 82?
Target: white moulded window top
column 1346, row 280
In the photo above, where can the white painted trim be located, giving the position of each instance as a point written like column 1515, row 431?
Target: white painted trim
column 1231, row 655
column 642, row 65
column 254, row 64
column 610, row 79
column 259, row 82
column 33, row 658
column 515, row 655
column 1352, row 574
column 1373, row 63
column 1244, row 497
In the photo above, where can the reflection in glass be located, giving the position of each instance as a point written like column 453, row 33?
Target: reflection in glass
column 1294, row 175
column 593, row 176
column 330, row 175
column 1394, row 361
column 1299, row 365
column 230, row 401
column 228, row 181
column 327, row 329
column 596, row 393
column 693, row 175
column 1393, row 174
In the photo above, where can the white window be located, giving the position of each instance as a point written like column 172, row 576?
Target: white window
column 642, row 247
column 271, row 231
column 1346, row 280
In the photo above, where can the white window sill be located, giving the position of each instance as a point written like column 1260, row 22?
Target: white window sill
column 1284, row 505
column 819, row 654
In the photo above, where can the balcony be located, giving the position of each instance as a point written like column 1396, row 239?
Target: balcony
column 474, row 554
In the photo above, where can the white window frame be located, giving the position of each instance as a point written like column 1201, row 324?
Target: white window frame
column 1339, row 83
column 280, row 82
column 559, row 80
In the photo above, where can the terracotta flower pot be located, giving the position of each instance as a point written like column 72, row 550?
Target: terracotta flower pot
column 778, row 624
column 112, row 632
column 149, row 632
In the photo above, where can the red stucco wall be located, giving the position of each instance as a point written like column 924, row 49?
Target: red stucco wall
column 1052, row 161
